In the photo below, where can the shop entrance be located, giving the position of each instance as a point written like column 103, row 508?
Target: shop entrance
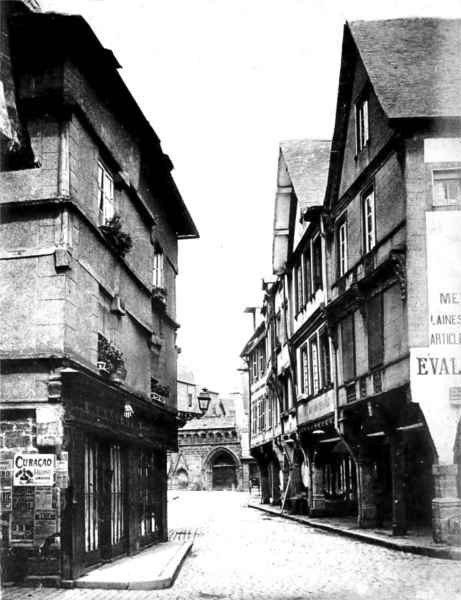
column 105, row 501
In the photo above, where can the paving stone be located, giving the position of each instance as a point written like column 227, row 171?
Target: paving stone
column 240, row 554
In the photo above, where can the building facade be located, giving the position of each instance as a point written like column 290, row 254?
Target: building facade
column 369, row 279
column 209, row 456
column 91, row 219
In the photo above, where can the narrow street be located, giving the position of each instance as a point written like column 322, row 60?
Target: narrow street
column 243, row 554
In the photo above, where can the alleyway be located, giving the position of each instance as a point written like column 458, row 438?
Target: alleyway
column 244, row 554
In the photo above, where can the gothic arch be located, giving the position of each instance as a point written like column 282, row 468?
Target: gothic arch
column 211, row 480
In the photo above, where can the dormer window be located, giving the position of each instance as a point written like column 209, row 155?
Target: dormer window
column 105, row 195
column 361, row 124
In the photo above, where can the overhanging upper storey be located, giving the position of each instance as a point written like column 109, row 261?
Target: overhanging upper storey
column 62, row 67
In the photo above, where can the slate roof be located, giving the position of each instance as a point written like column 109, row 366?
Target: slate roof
column 414, row 64
column 185, row 375
column 307, row 162
column 210, row 423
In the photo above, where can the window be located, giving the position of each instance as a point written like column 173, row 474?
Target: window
column 342, row 248
column 339, row 477
column 317, row 266
column 255, row 365
column 190, row 398
column 261, row 414
column 447, row 187
column 307, row 275
column 314, row 359
column 375, row 331
column 325, row 361
column 261, row 360
column 304, row 371
column 157, row 271
column 278, row 329
column 347, row 342
column 146, row 476
column 269, row 413
column 105, row 195
column 369, row 220
column 117, row 495
column 254, row 417
column 92, row 503
column 361, row 124
column 104, row 313
column 298, row 291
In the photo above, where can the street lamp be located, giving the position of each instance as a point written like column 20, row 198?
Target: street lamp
column 204, row 400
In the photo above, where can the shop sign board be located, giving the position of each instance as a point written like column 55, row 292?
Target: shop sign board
column 33, row 469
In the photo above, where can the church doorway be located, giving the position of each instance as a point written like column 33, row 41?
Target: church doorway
column 224, row 473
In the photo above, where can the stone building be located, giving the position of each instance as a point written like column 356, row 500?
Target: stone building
column 90, row 223
column 373, row 335
column 209, row 453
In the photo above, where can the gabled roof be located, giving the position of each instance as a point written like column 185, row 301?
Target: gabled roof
column 307, row 163
column 414, row 64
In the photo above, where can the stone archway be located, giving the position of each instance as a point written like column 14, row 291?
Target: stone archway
column 223, row 471
column 182, row 480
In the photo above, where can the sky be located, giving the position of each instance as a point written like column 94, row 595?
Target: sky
column 222, row 82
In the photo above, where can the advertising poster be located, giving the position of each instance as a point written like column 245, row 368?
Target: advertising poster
column 62, row 471
column 44, row 526
column 22, row 527
column 6, row 483
column 44, row 498
column 5, row 541
column 23, row 499
column 33, row 469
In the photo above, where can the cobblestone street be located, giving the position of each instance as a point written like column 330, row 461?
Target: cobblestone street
column 244, row 554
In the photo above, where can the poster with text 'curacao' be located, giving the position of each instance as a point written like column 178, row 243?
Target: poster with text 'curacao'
column 33, row 469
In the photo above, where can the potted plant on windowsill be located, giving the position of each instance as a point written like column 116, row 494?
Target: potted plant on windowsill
column 112, row 230
column 159, row 293
column 161, row 390
column 110, row 360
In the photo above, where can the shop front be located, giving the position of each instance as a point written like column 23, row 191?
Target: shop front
column 92, row 487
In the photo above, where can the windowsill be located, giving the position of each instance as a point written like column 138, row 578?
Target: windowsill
column 360, row 152
column 322, row 391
